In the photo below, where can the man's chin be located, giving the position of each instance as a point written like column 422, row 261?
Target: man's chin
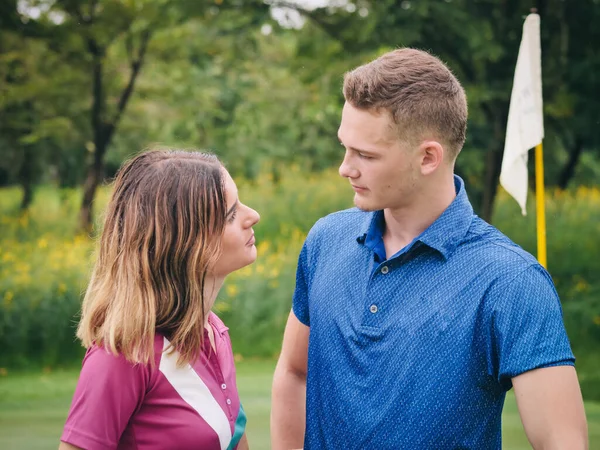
column 364, row 206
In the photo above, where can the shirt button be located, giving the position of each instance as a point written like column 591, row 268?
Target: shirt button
column 229, row 401
column 385, row 269
column 223, row 386
column 373, row 308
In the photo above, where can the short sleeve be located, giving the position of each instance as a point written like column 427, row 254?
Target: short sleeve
column 527, row 327
column 110, row 389
column 300, row 302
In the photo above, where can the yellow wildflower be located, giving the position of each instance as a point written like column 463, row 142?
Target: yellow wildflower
column 263, row 247
column 231, row 290
column 581, row 286
column 8, row 257
column 24, row 220
column 244, row 273
column 222, row 307
column 8, row 297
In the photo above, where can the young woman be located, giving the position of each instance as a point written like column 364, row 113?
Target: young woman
column 159, row 371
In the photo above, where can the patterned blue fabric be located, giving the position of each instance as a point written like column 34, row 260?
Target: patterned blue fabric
column 418, row 351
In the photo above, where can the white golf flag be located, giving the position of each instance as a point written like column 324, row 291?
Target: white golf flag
column 525, row 127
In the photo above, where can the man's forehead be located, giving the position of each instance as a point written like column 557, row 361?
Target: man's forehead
column 353, row 133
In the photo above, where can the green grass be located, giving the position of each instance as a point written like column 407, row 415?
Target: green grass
column 33, row 408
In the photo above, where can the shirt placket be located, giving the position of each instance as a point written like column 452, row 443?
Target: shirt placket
column 374, row 304
column 224, row 388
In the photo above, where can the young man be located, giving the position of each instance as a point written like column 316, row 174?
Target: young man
column 412, row 317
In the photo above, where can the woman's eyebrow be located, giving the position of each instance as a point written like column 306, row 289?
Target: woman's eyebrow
column 232, row 209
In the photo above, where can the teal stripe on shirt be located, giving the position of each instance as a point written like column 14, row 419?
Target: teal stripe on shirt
column 239, row 429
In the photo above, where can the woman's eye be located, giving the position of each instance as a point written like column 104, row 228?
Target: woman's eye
column 232, row 216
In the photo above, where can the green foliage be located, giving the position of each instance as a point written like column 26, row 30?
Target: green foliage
column 39, row 110
column 44, row 268
column 214, row 77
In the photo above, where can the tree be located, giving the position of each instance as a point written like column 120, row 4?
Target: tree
column 109, row 40
column 575, row 106
column 479, row 39
column 35, row 111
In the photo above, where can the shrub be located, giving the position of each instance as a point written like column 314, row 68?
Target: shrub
column 44, row 267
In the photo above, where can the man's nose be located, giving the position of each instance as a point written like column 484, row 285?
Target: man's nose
column 346, row 169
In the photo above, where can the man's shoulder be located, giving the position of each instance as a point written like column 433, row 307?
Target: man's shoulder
column 503, row 269
column 352, row 220
column 495, row 248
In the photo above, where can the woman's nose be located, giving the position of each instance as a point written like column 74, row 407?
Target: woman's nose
column 253, row 217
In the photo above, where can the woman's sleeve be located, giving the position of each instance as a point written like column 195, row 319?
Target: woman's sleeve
column 109, row 391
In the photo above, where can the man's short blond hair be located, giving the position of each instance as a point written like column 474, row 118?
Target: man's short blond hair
column 421, row 94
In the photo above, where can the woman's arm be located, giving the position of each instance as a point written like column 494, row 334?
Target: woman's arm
column 108, row 392
column 243, row 444
column 65, row 446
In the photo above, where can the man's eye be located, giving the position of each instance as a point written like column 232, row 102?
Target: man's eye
column 363, row 156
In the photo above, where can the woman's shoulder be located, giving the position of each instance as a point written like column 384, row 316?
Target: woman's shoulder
column 103, row 358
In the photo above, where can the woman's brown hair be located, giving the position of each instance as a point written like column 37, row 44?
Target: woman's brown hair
column 161, row 236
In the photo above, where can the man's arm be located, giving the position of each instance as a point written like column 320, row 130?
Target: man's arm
column 551, row 408
column 288, row 407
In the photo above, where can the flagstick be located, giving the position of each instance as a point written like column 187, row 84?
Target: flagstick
column 540, row 206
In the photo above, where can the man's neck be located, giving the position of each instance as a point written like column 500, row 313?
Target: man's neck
column 403, row 225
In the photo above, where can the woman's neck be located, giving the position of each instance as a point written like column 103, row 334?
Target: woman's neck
column 212, row 286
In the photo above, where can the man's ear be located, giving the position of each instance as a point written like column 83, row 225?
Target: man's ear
column 432, row 156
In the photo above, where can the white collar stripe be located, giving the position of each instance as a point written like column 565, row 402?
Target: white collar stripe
column 195, row 393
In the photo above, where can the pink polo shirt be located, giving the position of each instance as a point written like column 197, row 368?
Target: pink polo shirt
column 125, row 406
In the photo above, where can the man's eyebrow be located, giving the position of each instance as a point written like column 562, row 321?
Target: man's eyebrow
column 232, row 209
column 359, row 150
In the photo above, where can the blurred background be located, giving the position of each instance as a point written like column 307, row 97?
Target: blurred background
column 84, row 84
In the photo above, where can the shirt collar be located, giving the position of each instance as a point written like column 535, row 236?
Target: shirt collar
column 443, row 235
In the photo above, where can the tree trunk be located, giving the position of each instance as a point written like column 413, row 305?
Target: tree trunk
column 493, row 166
column 93, row 179
column 105, row 129
column 27, row 195
column 94, row 173
column 566, row 174
column 25, row 177
column 490, row 189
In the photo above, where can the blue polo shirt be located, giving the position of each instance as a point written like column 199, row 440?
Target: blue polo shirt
column 418, row 350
